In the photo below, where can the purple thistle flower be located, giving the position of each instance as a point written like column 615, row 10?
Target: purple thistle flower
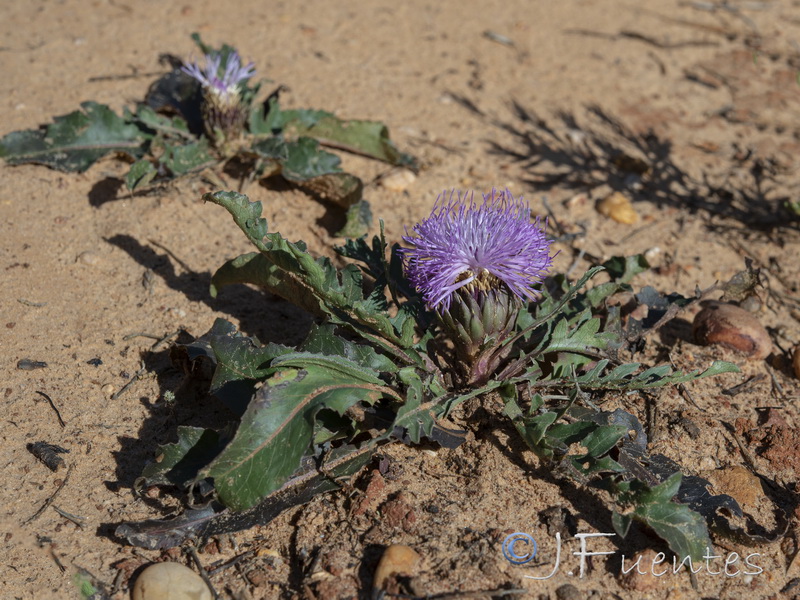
column 476, row 248
column 209, row 77
column 224, row 108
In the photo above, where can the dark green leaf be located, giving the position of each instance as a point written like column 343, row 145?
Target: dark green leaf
column 74, row 142
column 182, row 159
column 242, row 362
column 167, row 126
column 178, row 463
column 571, row 433
column 299, row 277
column 624, row 269
column 621, row 523
column 278, row 426
column 323, row 340
column 304, row 485
column 369, row 138
column 601, row 440
column 305, row 160
column 415, row 418
column 684, row 530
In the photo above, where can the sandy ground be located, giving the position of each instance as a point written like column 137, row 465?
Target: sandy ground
column 706, row 93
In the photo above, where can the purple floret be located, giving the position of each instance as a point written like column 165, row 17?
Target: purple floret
column 209, row 77
column 477, row 247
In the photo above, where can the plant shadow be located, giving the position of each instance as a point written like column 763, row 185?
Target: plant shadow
column 599, row 149
column 264, row 316
column 287, row 324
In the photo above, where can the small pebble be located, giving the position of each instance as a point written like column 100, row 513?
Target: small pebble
column 108, row 390
column 618, row 207
column 751, row 304
column 732, row 327
column 398, row 181
column 95, row 362
column 741, row 484
column 89, row 258
column 652, row 253
column 170, row 581
column 568, row 592
column 397, row 559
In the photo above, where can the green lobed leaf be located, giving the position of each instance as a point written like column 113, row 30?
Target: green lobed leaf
column 257, row 269
column 140, row 174
column 369, row 138
column 603, row 439
column 74, row 142
column 299, row 278
column 277, row 428
column 306, row 160
column 242, row 362
column 684, row 530
column 273, row 119
column 246, row 214
column 621, row 377
column 415, row 417
column 322, row 339
column 168, row 126
column 185, row 158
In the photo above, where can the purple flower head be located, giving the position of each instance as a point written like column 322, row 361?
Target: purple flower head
column 477, row 248
column 226, row 84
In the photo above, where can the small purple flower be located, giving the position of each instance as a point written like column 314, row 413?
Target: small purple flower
column 476, row 248
column 225, row 109
column 233, row 75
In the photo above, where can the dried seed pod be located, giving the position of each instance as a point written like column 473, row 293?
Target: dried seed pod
column 732, row 327
column 396, row 559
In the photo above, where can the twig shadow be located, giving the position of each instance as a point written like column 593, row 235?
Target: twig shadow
column 582, row 153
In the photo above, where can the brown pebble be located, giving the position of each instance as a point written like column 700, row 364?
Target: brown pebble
column 796, row 361
column 397, row 559
column 257, row 577
column 732, row 327
column 618, row 206
column 739, row 483
column 568, row 592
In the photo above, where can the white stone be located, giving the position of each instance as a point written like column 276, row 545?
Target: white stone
column 170, row 581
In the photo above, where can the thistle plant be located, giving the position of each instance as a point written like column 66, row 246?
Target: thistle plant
column 225, row 111
column 474, row 265
column 205, row 119
column 406, row 336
